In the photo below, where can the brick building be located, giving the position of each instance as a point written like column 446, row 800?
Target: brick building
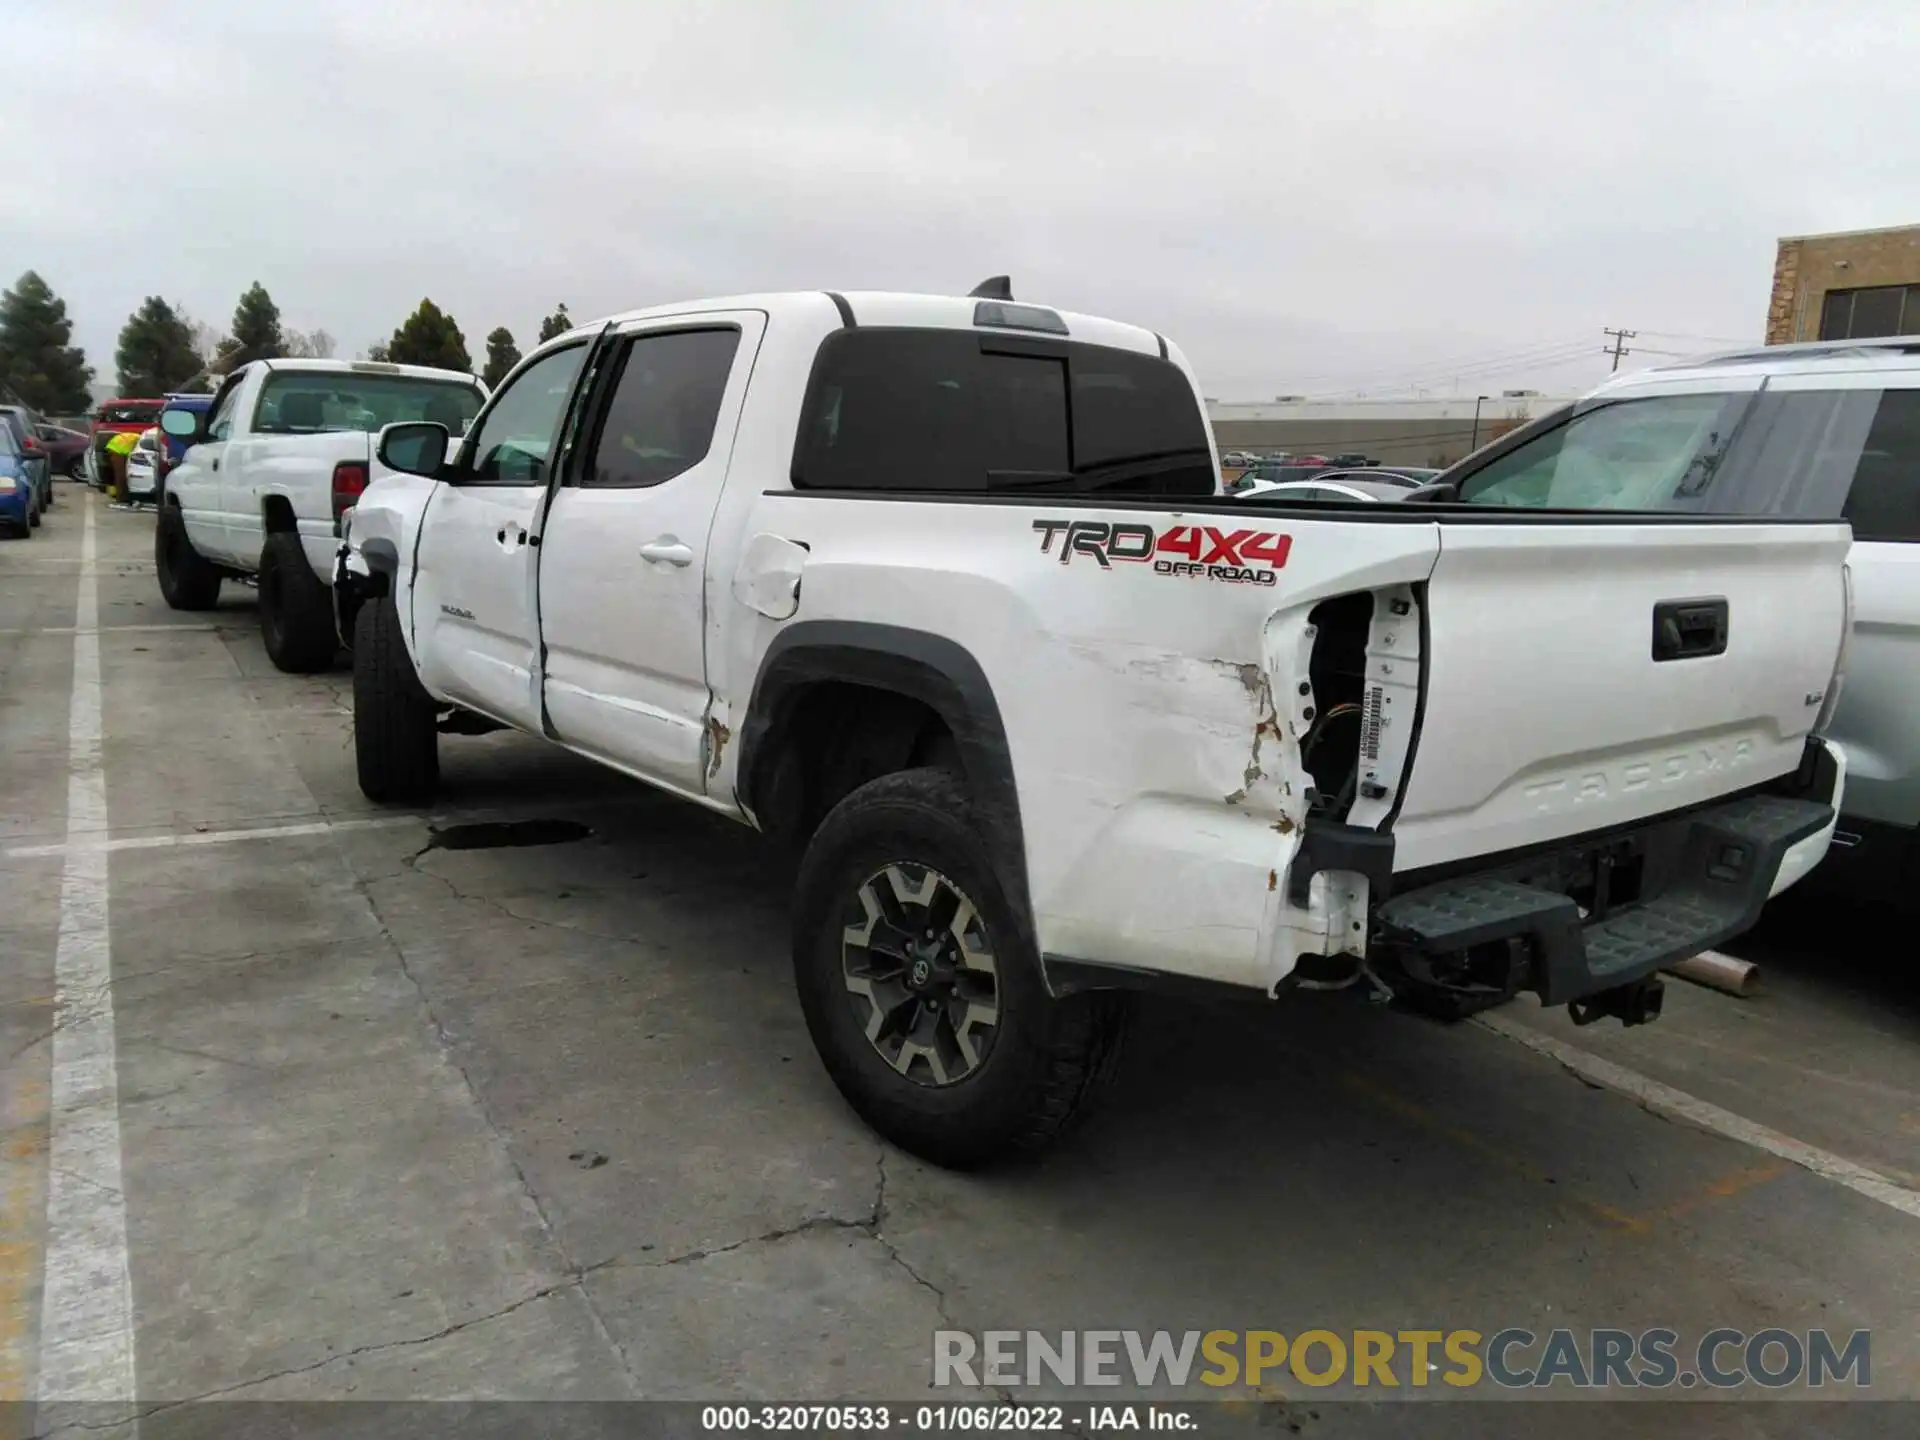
column 1856, row 284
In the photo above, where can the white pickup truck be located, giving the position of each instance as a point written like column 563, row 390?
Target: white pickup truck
column 285, row 447
column 943, row 590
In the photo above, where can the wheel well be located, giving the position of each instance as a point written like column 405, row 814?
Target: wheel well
column 276, row 513
column 833, row 736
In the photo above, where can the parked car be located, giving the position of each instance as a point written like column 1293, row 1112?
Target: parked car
column 19, row 491
column 1406, row 477
column 25, row 427
column 1826, row 431
column 781, row 555
column 1273, row 475
column 143, row 468
column 285, row 448
column 173, row 449
column 65, row 448
column 1333, row 485
column 116, row 417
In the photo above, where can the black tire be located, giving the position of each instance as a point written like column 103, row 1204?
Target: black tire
column 396, row 744
column 187, row 581
column 296, row 609
column 1046, row 1058
column 33, row 520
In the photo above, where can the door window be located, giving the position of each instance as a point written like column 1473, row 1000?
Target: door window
column 513, row 441
column 220, row 423
column 1884, row 503
column 1649, row 454
column 666, row 400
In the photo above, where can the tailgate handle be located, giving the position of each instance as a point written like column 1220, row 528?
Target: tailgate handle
column 1686, row 629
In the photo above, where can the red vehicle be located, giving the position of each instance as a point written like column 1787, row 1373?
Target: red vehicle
column 117, row 417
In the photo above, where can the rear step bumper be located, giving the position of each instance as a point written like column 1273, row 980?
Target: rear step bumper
column 1719, row 867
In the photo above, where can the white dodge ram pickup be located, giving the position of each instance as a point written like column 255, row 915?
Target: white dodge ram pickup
column 285, row 447
column 943, row 591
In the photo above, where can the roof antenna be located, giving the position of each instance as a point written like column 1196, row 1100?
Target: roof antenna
column 999, row 287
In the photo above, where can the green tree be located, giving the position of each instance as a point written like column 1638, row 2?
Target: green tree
column 430, row 337
column 156, row 354
column 36, row 362
column 377, row 352
column 502, row 356
column 558, row 323
column 256, row 331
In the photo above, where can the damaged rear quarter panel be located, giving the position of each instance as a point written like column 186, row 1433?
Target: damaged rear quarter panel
column 1158, row 779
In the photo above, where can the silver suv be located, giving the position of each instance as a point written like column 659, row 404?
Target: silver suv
column 1830, row 429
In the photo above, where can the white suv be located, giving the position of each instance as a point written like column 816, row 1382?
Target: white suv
column 1822, row 430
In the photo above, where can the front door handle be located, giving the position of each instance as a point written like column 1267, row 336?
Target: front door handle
column 667, row 551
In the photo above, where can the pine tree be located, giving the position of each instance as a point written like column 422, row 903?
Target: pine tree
column 430, row 337
column 557, row 323
column 156, row 354
column 256, row 331
column 36, row 363
column 502, row 356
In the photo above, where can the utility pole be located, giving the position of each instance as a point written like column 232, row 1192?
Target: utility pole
column 1619, row 346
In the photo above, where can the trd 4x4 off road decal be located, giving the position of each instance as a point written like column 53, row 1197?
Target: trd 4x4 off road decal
column 1239, row 557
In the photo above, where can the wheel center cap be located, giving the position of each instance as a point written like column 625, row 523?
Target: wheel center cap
column 921, row 972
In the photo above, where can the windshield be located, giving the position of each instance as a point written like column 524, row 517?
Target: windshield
column 128, row 414
column 1647, row 454
column 311, row 402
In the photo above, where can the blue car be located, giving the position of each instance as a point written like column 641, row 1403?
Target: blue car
column 20, row 424
column 176, row 448
column 19, row 487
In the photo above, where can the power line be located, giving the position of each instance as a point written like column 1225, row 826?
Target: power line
column 1458, row 363
column 1619, row 346
column 1525, row 360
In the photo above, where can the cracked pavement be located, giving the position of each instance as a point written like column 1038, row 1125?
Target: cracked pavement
column 408, row 1121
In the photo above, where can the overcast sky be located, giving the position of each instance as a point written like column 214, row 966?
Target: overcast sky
column 1309, row 197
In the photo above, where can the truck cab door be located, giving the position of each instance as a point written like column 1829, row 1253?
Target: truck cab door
column 623, row 546
column 476, row 637
column 196, row 480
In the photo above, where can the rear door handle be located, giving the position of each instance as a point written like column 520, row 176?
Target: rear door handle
column 1689, row 629
column 667, row 551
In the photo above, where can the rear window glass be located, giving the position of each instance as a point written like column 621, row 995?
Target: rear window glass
column 128, row 414
column 8, row 447
column 938, row 410
column 305, row 402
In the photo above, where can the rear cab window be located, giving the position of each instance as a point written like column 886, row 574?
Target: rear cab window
column 975, row 411
column 307, row 402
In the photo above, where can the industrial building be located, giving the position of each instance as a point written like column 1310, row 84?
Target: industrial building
column 1393, row 432
column 1850, row 285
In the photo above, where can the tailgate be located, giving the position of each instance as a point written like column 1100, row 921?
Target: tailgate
column 1586, row 675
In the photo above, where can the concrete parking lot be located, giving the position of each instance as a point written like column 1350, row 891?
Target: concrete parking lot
column 460, row 1105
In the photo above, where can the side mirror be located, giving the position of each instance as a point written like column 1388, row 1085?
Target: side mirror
column 414, row 447
column 187, row 425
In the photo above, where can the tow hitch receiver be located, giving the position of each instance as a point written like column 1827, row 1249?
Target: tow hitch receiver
column 1633, row 1004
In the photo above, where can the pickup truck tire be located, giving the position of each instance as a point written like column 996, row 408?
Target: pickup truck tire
column 296, row 612
column 906, row 844
column 187, row 581
column 396, row 739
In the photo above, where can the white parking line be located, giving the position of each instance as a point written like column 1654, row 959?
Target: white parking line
column 1708, row 1116
column 86, row 1312
column 115, row 629
column 206, row 837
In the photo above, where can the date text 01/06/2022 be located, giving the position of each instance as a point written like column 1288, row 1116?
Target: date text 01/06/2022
column 944, row 1418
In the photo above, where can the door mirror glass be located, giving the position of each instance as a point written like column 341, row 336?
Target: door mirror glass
column 414, row 447
column 182, row 424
